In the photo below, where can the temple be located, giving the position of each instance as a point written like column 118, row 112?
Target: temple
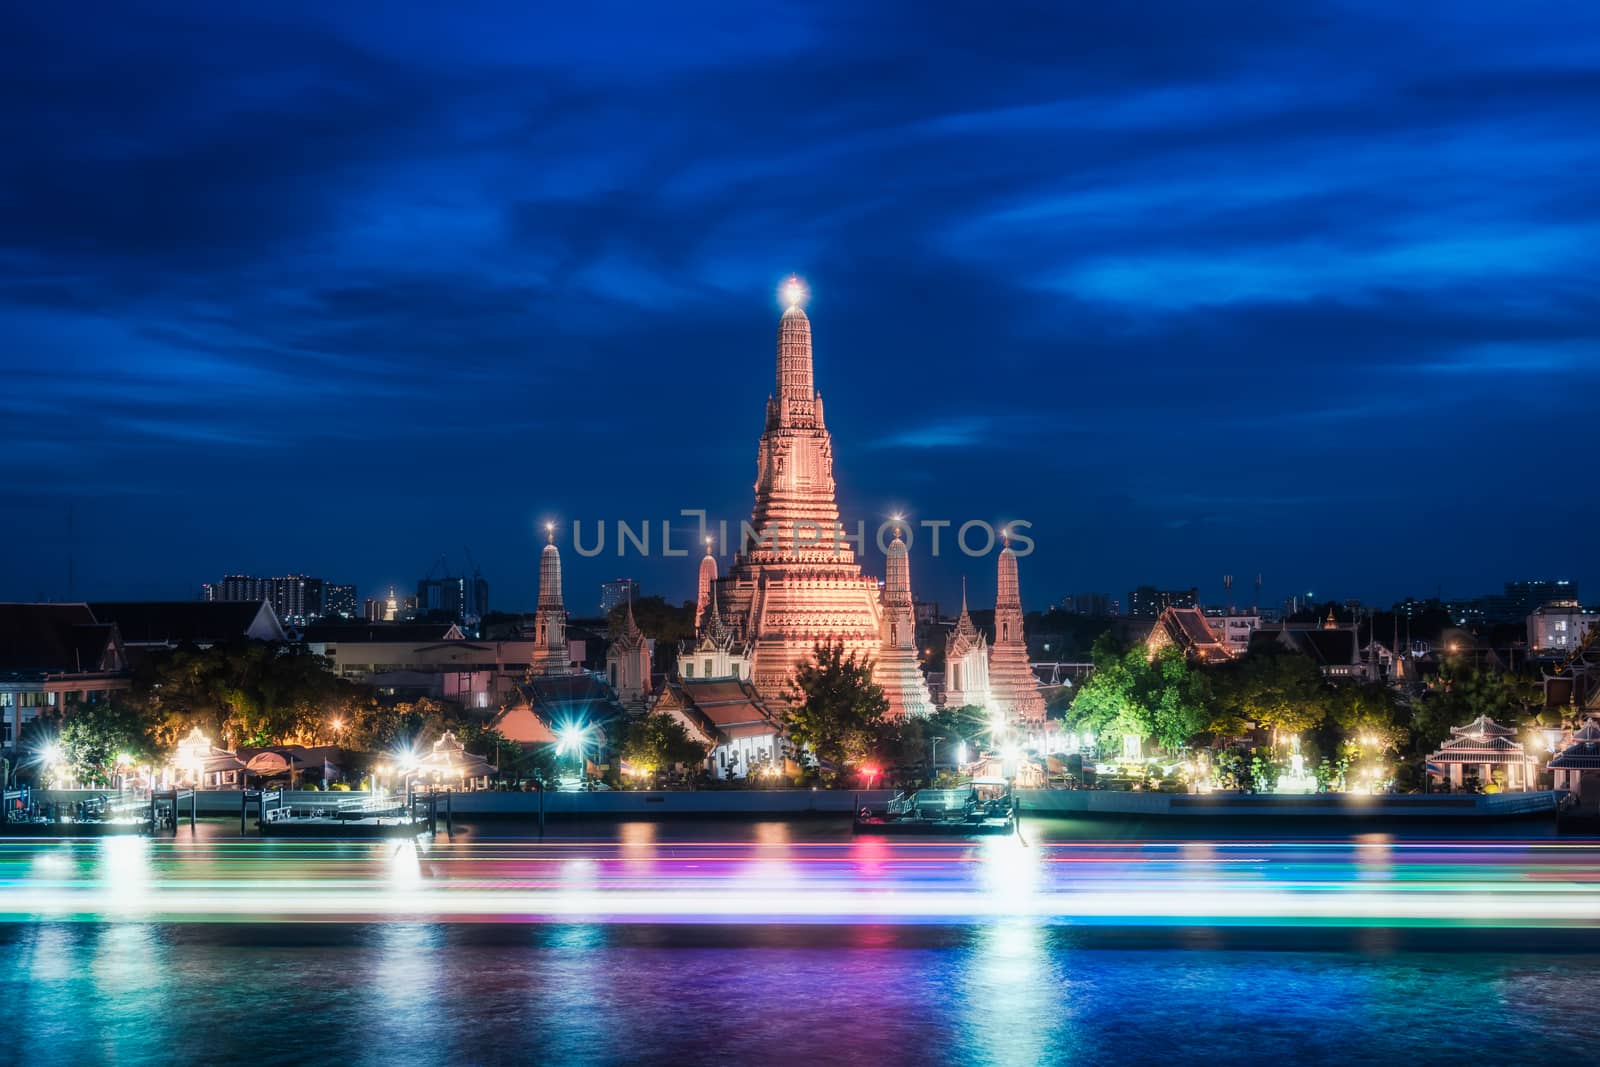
column 550, row 654
column 796, row 583
column 628, row 664
column 1013, row 689
column 966, row 662
column 897, row 671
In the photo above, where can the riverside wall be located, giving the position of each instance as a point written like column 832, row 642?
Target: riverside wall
column 790, row 803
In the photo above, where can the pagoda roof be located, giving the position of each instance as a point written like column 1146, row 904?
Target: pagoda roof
column 1469, row 749
column 1581, row 756
column 1483, row 726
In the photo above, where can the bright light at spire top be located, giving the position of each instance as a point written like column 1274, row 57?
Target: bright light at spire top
column 794, row 291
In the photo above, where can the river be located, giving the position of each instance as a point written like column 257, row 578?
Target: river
column 791, row 942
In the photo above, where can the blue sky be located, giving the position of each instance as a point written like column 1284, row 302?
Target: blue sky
column 1293, row 289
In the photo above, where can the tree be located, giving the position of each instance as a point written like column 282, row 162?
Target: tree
column 1134, row 693
column 658, row 741
column 245, row 693
column 96, row 737
column 1279, row 691
column 836, row 712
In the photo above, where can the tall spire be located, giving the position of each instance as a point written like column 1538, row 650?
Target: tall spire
column 796, row 393
column 708, row 575
column 550, row 654
column 1011, row 679
column 896, row 670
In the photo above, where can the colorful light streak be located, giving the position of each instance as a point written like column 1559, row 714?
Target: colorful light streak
column 637, row 880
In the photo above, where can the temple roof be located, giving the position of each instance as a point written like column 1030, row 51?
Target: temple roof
column 1469, row 749
column 56, row 639
column 176, row 622
column 1581, row 756
column 1483, row 726
column 725, row 708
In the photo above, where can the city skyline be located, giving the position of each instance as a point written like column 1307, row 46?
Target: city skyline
column 1206, row 298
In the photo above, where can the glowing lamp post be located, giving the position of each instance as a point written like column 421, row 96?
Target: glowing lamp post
column 573, row 738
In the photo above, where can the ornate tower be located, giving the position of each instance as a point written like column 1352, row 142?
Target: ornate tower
column 966, row 662
column 628, row 664
column 708, row 574
column 550, row 654
column 797, row 582
column 1011, row 681
column 896, row 670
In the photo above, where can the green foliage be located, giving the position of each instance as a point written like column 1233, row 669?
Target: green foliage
column 1279, row 691
column 93, row 736
column 246, row 693
column 835, row 710
column 1130, row 692
column 658, row 741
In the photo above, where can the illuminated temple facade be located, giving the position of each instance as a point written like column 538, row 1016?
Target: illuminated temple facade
column 795, row 583
column 1013, row 689
column 550, row 653
column 798, row 583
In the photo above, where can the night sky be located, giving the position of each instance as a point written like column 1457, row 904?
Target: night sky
column 336, row 288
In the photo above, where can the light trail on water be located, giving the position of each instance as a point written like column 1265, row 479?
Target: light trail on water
column 638, row 879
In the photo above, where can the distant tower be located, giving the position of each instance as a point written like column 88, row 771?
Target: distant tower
column 391, row 607
column 896, row 671
column 1227, row 593
column 550, row 654
column 628, row 664
column 1255, row 608
column 708, row 575
column 1011, row 680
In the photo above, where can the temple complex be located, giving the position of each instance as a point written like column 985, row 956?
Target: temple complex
column 797, row 583
column 897, row 670
column 550, row 654
column 1012, row 686
column 794, row 582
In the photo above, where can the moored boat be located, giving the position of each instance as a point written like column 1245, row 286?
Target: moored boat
column 982, row 807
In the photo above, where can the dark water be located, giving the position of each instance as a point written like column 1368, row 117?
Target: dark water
column 790, row 943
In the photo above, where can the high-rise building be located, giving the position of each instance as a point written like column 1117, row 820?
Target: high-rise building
column 296, row 598
column 339, row 601
column 616, row 593
column 466, row 600
column 1148, row 602
column 1093, row 604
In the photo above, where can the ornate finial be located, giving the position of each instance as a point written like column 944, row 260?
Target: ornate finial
column 550, row 532
column 963, row 594
column 794, row 292
column 708, row 546
column 1005, row 535
column 898, row 519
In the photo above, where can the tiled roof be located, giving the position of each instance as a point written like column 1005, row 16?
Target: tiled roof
column 1483, row 726
column 54, row 639
column 421, row 633
column 175, row 622
column 1582, row 756
column 1487, row 749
